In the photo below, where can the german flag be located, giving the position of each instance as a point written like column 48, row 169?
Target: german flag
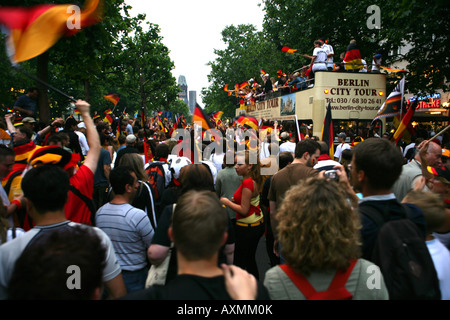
column 327, row 132
column 393, row 104
column 114, row 98
column 33, row 30
column 405, row 122
column 201, row 118
column 248, row 122
column 352, row 58
column 108, row 119
column 243, row 85
column 288, row 50
column 217, row 115
column 393, row 70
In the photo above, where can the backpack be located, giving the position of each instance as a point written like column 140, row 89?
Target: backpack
column 401, row 253
column 156, row 179
column 336, row 290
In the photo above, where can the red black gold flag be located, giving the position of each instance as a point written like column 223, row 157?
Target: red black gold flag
column 202, row 118
column 327, row 132
column 405, row 122
column 114, row 98
column 248, row 122
column 288, row 50
column 352, row 58
column 33, row 30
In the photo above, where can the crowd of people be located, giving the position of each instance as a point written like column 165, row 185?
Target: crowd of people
column 322, row 59
column 127, row 203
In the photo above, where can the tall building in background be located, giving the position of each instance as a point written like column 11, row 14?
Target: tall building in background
column 183, row 95
column 192, row 101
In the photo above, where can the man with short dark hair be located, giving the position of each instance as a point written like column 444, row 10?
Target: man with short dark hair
column 60, row 255
column 198, row 230
column 375, row 167
column 129, row 228
column 26, row 105
column 46, row 190
column 306, row 153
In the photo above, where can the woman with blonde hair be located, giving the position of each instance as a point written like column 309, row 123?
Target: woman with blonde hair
column 144, row 196
column 249, row 227
column 319, row 234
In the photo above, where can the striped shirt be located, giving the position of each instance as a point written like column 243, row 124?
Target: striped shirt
column 130, row 232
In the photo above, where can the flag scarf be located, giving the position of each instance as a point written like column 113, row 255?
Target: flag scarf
column 352, row 58
column 32, row 31
column 114, row 98
column 404, row 122
column 327, row 132
column 393, row 104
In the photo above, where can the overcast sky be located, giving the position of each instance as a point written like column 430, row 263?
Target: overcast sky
column 191, row 30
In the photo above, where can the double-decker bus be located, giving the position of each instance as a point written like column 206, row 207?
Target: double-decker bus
column 354, row 97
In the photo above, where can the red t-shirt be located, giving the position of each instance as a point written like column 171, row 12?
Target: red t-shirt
column 247, row 183
column 76, row 209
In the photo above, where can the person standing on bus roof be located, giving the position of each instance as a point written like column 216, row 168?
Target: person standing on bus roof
column 341, row 146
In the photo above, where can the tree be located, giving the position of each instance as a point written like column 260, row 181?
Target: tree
column 246, row 53
column 144, row 70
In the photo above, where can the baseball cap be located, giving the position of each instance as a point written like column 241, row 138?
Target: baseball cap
column 131, row 138
column 28, row 120
column 342, row 135
column 81, row 125
column 446, row 153
column 285, row 135
column 442, row 172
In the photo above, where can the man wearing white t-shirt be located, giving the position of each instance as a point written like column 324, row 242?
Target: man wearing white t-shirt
column 341, row 146
column 330, row 53
column 319, row 57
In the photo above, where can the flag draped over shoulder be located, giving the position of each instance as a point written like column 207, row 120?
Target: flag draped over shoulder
column 352, row 58
column 327, row 131
column 404, row 123
column 393, row 104
column 33, row 30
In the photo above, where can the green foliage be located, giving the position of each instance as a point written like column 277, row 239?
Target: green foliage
column 99, row 60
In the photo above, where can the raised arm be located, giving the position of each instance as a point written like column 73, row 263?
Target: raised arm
column 92, row 135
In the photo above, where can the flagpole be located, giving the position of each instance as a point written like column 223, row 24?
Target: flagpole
column 16, row 67
column 448, row 127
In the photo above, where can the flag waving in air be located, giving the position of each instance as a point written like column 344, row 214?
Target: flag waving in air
column 114, row 98
column 202, row 118
column 288, row 50
column 393, row 104
column 406, row 120
column 32, row 31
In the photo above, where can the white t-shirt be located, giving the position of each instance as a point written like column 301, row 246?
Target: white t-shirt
column 329, row 49
column 441, row 259
column 288, row 146
column 321, row 58
column 341, row 147
column 320, row 54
